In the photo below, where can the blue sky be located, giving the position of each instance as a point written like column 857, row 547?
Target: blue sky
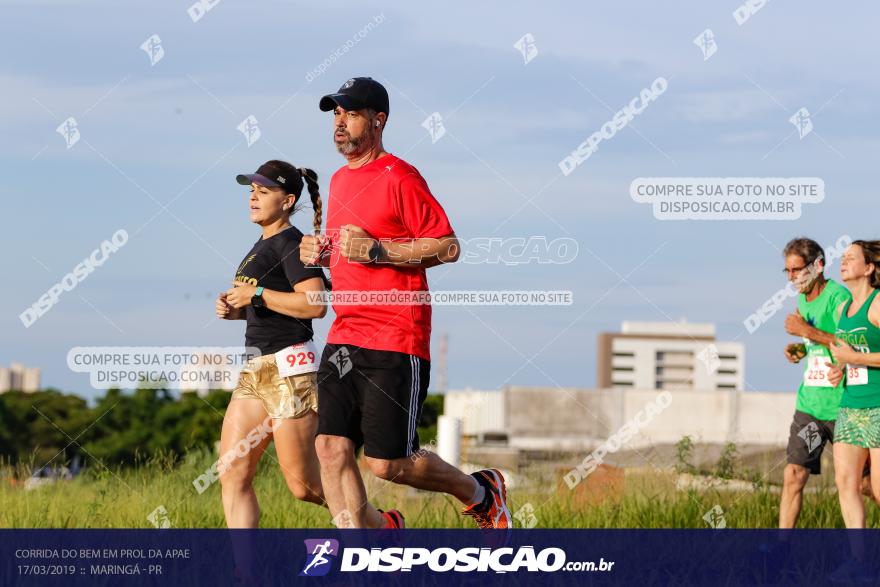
column 166, row 134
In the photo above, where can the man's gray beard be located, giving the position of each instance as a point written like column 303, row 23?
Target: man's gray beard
column 352, row 146
column 346, row 148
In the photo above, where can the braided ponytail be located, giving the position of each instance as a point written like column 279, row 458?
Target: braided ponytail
column 311, row 180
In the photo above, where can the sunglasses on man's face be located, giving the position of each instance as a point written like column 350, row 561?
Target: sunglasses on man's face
column 794, row 270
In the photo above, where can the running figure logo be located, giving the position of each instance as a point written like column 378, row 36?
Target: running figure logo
column 526, row 516
column 710, row 358
column 250, row 128
column 342, row 360
column 802, row 121
column 434, row 125
column 527, row 47
column 706, row 42
column 159, row 517
column 810, row 435
column 70, row 131
column 715, row 518
column 320, row 553
column 153, row 48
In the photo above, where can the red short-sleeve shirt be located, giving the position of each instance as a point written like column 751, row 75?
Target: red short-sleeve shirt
column 389, row 199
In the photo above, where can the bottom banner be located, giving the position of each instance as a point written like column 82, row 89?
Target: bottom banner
column 428, row 557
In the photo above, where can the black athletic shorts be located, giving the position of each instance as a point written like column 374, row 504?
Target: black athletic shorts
column 807, row 439
column 373, row 398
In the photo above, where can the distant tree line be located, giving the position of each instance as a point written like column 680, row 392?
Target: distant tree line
column 121, row 429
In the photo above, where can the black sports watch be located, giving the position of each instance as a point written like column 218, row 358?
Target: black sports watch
column 257, row 300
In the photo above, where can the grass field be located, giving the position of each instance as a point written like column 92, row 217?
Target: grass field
column 101, row 498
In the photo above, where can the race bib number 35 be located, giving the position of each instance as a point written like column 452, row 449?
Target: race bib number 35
column 856, row 375
column 297, row 359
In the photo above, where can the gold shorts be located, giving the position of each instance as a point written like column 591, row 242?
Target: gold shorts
column 283, row 397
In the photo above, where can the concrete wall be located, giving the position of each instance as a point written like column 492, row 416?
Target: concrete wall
column 479, row 411
column 566, row 419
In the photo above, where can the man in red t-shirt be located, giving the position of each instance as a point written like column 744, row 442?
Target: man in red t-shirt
column 384, row 228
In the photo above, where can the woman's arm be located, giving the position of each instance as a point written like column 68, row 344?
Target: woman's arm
column 295, row 303
column 843, row 353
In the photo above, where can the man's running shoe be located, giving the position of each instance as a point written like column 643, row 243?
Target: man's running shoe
column 492, row 512
column 393, row 520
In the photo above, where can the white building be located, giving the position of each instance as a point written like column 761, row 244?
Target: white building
column 668, row 355
column 17, row 377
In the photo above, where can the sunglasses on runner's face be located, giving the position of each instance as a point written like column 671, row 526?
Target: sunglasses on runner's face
column 794, row 270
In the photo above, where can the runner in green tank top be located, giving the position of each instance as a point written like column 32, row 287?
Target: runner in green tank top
column 812, row 426
column 862, row 381
column 858, row 349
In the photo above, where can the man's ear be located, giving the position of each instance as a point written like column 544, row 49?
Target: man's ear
column 381, row 119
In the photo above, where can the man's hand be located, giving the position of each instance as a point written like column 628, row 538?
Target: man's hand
column 240, row 295
column 312, row 247
column 355, row 243
column 835, row 373
column 794, row 352
column 796, row 325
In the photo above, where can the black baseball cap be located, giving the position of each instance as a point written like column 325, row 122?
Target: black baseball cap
column 356, row 94
column 277, row 174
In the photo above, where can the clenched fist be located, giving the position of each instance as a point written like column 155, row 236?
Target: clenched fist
column 311, row 248
column 225, row 310
column 795, row 324
column 240, row 294
column 795, row 352
column 843, row 353
column 355, row 243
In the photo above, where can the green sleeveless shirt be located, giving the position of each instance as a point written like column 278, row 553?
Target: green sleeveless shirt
column 862, row 388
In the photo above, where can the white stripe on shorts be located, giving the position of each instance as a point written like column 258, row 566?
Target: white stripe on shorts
column 413, row 403
column 418, row 388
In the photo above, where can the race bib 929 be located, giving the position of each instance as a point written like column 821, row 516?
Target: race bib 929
column 297, row 359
